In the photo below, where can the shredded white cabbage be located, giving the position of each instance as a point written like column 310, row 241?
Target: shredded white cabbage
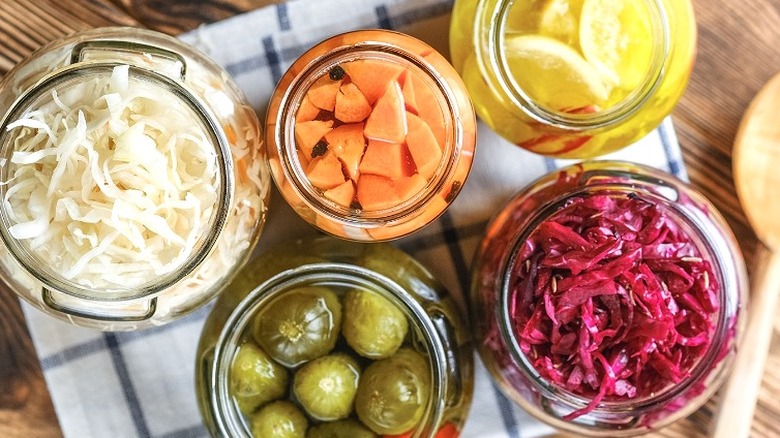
column 113, row 184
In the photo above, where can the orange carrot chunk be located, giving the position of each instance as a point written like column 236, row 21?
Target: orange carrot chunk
column 342, row 194
column 307, row 111
column 408, row 162
column 407, row 86
column 376, row 192
column 351, row 105
column 325, row 171
column 348, row 143
column 383, row 159
column 307, row 134
column 423, row 146
column 303, row 157
column 428, row 109
column 409, row 186
column 372, row 76
column 323, row 93
column 387, row 121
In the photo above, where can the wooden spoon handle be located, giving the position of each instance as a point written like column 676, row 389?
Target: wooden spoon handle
column 741, row 389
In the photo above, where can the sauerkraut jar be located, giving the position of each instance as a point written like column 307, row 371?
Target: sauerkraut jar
column 607, row 299
column 326, row 337
column 132, row 177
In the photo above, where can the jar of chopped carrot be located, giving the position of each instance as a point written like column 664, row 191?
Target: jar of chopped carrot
column 370, row 135
column 608, row 299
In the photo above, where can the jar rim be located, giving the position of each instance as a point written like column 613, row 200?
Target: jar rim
column 495, row 57
column 372, row 46
column 227, row 418
column 712, row 246
column 211, row 231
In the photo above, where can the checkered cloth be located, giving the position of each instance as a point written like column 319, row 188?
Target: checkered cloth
column 141, row 384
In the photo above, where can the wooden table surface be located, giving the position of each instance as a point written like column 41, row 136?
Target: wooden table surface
column 739, row 49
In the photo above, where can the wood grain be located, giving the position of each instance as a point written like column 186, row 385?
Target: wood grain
column 738, row 52
column 25, row 406
column 158, row 14
column 27, row 24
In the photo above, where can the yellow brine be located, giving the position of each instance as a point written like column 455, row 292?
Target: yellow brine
column 573, row 78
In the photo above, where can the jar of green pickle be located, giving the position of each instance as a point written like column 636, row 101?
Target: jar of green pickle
column 332, row 338
column 573, row 78
column 608, row 299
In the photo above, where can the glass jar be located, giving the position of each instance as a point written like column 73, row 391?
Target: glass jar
column 435, row 327
column 573, row 78
column 134, row 180
column 370, row 135
column 608, row 299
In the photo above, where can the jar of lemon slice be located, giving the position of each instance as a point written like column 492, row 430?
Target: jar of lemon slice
column 573, row 78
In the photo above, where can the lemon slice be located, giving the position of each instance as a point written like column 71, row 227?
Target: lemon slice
column 554, row 74
column 560, row 19
column 615, row 36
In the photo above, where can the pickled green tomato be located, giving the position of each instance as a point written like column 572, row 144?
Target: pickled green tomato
column 326, row 387
column 255, row 378
column 280, row 419
column 340, row 429
column 373, row 326
column 393, row 393
column 301, row 325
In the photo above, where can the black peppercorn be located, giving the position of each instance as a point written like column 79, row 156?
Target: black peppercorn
column 336, row 73
column 319, row 149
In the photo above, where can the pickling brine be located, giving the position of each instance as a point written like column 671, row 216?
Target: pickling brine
column 573, row 78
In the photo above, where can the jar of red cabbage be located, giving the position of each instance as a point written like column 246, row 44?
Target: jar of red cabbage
column 608, row 299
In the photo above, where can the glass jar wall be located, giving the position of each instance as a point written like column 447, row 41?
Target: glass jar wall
column 607, row 299
column 573, row 78
column 362, row 289
column 135, row 183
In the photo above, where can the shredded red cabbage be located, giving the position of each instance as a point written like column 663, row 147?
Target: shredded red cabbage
column 611, row 300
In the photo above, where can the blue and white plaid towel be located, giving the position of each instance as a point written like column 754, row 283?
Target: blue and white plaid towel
column 141, row 384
